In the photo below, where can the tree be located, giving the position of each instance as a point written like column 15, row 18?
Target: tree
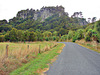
column 26, row 35
column 32, row 36
column 93, row 19
column 38, row 35
column 80, row 14
column 47, row 34
column 70, row 35
column 2, row 38
column 55, row 33
column 80, row 34
column 97, row 26
column 62, row 31
column 89, row 20
column 88, row 35
column 13, row 35
column 20, row 35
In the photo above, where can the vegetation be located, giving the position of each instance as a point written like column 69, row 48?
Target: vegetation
column 32, row 26
column 40, row 62
column 20, row 53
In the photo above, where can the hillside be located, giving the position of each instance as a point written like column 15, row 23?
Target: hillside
column 47, row 18
column 48, row 23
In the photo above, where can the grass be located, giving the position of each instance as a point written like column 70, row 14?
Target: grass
column 40, row 62
column 90, row 45
column 19, row 54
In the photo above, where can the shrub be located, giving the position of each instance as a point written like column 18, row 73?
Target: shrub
column 87, row 38
column 2, row 38
column 54, row 38
column 46, row 38
column 74, row 39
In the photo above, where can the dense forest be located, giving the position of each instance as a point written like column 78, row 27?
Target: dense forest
column 49, row 23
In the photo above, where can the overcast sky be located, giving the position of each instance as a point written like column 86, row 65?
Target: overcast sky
column 90, row 8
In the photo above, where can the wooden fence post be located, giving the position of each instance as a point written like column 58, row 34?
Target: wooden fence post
column 28, row 47
column 7, row 51
column 39, row 49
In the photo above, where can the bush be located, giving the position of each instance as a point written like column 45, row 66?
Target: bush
column 87, row 38
column 57, row 38
column 41, row 38
column 98, row 37
column 54, row 38
column 2, row 38
column 80, row 34
column 47, row 39
column 74, row 39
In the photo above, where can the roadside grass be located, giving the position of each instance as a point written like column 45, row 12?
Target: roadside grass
column 89, row 45
column 40, row 62
column 19, row 54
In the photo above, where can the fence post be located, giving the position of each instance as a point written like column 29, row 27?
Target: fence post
column 39, row 49
column 7, row 51
column 28, row 47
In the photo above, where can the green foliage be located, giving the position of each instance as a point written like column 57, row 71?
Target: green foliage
column 52, row 28
column 46, row 38
column 74, row 39
column 88, row 35
column 55, row 33
column 2, row 38
column 13, row 35
column 80, row 34
column 98, row 37
column 54, row 38
column 57, row 38
column 87, row 38
column 97, row 26
column 20, row 35
column 63, row 38
column 70, row 35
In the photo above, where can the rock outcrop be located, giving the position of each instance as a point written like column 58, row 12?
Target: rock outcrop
column 43, row 13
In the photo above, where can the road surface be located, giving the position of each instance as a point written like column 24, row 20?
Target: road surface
column 76, row 60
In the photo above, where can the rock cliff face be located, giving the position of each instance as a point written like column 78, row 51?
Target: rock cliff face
column 43, row 13
column 46, row 12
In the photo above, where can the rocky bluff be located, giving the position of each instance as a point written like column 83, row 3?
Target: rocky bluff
column 43, row 13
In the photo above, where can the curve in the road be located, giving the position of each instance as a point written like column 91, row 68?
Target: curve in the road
column 76, row 60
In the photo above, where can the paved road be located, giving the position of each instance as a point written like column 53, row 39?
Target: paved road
column 76, row 60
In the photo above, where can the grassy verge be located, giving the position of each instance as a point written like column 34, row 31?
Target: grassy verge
column 40, row 62
column 20, row 53
column 89, row 46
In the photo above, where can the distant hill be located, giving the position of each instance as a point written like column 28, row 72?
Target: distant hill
column 47, row 18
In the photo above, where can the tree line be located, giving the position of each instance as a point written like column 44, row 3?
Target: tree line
column 91, row 32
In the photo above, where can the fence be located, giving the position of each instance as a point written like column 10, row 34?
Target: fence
column 18, row 51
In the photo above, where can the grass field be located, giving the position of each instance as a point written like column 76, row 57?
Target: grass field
column 39, row 64
column 20, row 53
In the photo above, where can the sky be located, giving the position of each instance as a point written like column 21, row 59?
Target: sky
column 90, row 8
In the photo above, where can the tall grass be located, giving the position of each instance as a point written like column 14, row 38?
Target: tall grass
column 20, row 53
column 91, row 45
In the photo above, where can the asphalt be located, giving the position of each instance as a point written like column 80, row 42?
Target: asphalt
column 75, row 60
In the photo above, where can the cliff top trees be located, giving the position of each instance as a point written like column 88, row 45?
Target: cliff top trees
column 89, row 20
column 77, row 15
column 93, row 19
